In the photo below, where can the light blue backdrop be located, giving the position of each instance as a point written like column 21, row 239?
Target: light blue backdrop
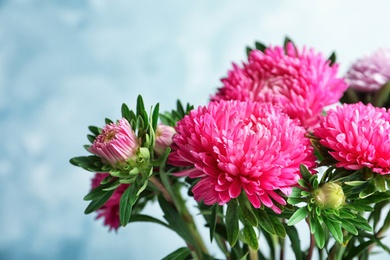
column 65, row 65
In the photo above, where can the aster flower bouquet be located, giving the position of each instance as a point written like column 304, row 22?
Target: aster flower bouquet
column 265, row 154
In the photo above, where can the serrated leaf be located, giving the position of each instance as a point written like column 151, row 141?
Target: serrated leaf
column 298, row 216
column 179, row 254
column 232, row 226
column 250, row 237
column 292, row 233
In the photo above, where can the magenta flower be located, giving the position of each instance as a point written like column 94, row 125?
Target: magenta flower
column 239, row 146
column 371, row 72
column 357, row 136
column 117, row 143
column 302, row 82
column 164, row 136
column 110, row 210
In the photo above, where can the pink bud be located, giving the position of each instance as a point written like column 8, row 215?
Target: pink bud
column 164, row 136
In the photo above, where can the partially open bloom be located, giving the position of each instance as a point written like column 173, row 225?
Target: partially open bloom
column 329, row 196
column 117, row 143
column 302, row 82
column 164, row 134
column 110, row 210
column 357, row 136
column 371, row 72
column 239, row 146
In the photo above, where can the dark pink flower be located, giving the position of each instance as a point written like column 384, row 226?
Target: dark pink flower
column 302, row 82
column 164, row 134
column 117, row 143
column 110, row 210
column 239, row 146
column 357, row 136
column 371, row 72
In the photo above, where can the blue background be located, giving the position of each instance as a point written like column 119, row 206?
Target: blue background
column 65, row 65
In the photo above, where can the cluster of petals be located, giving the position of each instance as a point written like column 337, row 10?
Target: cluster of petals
column 117, row 143
column 302, row 82
column 164, row 134
column 357, row 136
column 241, row 146
column 371, row 72
column 110, row 210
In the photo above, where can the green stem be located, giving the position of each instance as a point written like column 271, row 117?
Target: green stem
column 253, row 255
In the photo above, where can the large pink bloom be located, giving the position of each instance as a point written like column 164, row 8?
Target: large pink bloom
column 239, row 146
column 117, row 143
column 302, row 82
column 110, row 210
column 371, row 72
column 357, row 136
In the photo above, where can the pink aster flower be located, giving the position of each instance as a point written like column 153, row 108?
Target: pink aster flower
column 302, row 82
column 164, row 134
column 357, row 136
column 371, row 72
column 239, row 147
column 117, row 143
column 110, row 210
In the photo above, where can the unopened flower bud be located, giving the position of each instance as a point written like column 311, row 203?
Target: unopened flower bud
column 117, row 143
column 329, row 196
column 164, row 136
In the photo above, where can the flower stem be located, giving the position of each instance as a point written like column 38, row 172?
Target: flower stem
column 161, row 187
column 253, row 255
column 312, row 242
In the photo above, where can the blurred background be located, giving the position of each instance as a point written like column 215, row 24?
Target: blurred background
column 65, row 65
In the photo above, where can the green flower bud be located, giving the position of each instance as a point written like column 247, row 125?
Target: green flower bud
column 329, row 196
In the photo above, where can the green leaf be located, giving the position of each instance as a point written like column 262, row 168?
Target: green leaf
column 358, row 250
column 99, row 191
column 334, row 228
column 376, row 198
column 247, row 210
column 349, row 227
column 155, row 116
column 98, row 202
column 292, row 233
column 265, row 222
column 108, row 121
column 126, row 113
column 368, row 191
column 380, row 182
column 232, row 225
column 361, row 223
column 147, row 218
column 260, row 46
column 248, row 51
column 175, row 221
column 251, row 237
column 298, row 216
column 306, row 175
column 355, row 183
column 278, row 227
column 332, row 58
column 213, row 221
column 382, row 96
column 90, row 163
column 294, row 201
column 95, row 130
column 319, row 234
column 179, row 254
column 128, row 199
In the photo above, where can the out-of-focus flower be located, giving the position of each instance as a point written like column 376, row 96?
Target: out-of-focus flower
column 302, row 82
column 117, row 143
column 164, row 134
column 357, row 136
column 371, row 72
column 239, row 146
column 110, row 210
column 329, row 196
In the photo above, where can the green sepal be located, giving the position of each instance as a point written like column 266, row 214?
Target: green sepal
column 260, row 46
column 232, row 223
column 381, row 97
column 95, row 130
column 108, row 121
column 332, row 59
column 298, row 216
column 306, row 175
